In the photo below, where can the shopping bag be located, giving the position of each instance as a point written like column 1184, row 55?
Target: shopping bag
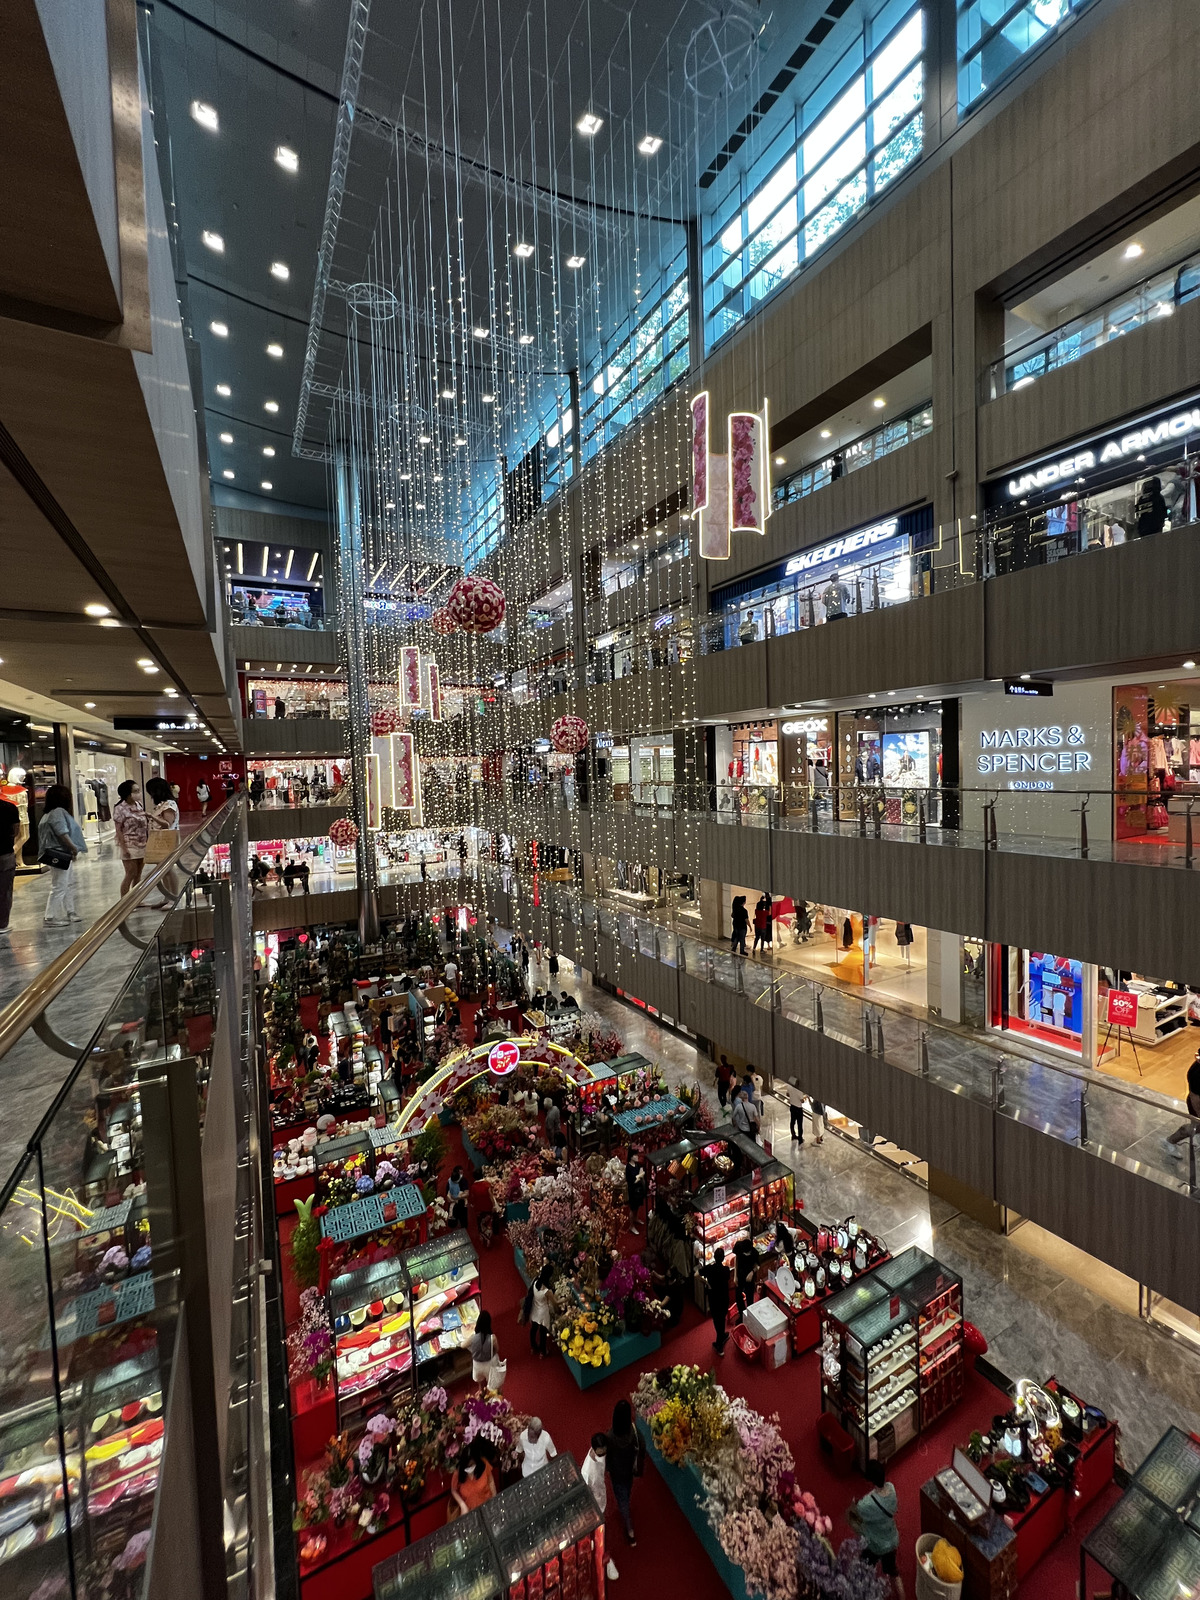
column 497, row 1373
column 162, row 843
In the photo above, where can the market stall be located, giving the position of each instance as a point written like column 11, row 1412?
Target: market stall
column 892, row 1353
column 826, row 1259
column 1148, row 1546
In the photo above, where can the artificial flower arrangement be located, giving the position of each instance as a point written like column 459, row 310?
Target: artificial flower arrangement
column 692, row 1095
column 580, row 1337
column 627, row 1290
column 498, row 1132
column 766, row 1525
column 310, row 1343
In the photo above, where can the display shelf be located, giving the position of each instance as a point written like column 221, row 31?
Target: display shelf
column 722, row 1222
column 457, row 1562
column 548, row 1534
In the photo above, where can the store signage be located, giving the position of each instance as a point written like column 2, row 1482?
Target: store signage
column 1149, row 435
column 154, row 725
column 719, row 1195
column 1028, row 686
column 1122, row 1011
column 849, row 544
column 810, row 725
column 504, row 1057
column 1039, row 750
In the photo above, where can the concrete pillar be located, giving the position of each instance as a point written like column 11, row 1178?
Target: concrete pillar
column 943, row 978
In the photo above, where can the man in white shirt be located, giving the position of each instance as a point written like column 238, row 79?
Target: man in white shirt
column 796, row 1099
column 592, row 1473
column 536, row 1447
column 452, row 976
column 745, row 1117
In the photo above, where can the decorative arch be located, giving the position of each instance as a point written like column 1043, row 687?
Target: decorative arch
column 467, row 1065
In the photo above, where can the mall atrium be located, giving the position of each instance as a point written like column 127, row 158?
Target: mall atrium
column 533, row 1069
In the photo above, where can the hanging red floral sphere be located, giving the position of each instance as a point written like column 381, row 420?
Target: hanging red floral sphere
column 570, row 735
column 386, row 721
column 442, row 622
column 344, row 833
column 475, row 604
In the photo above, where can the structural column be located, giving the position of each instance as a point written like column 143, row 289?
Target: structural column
column 352, row 616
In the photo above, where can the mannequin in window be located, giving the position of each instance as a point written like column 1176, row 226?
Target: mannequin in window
column 836, row 598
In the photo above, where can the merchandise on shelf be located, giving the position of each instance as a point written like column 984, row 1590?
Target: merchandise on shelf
column 548, row 1535
column 456, row 1562
column 722, row 1218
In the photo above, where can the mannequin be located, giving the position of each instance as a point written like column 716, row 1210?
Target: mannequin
column 14, row 791
column 836, row 598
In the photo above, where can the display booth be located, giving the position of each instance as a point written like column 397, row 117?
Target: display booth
column 1149, row 1543
column 826, row 1260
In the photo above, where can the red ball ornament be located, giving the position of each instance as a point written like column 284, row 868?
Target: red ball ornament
column 476, row 605
column 569, row 735
column 386, row 721
column 344, row 833
column 442, row 622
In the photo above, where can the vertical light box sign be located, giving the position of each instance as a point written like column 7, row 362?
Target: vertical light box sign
column 435, row 691
column 700, row 452
column 406, row 777
column 410, row 676
column 374, row 814
column 714, row 519
column 749, row 485
column 380, row 778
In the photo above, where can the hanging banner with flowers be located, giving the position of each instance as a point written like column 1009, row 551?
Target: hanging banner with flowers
column 404, row 772
column 749, row 472
column 714, row 519
column 410, row 676
column 435, row 691
column 700, row 452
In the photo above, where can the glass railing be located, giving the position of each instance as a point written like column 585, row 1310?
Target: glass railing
column 1116, row 1122
column 873, row 446
column 114, row 1056
column 1026, row 360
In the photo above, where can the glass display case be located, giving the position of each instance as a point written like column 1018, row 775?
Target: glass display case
column 456, row 1562
column 444, row 1294
column 722, row 1217
column 1149, row 1543
column 875, row 1375
column 32, row 1523
column 372, row 1332
column 689, row 1165
column 772, row 1200
column 549, row 1535
column 344, row 1157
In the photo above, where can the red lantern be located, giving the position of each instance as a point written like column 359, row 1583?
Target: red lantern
column 344, row 833
column 442, row 622
column 570, row 735
column 476, row 605
column 386, row 721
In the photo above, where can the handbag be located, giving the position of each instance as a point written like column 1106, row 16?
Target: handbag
column 162, row 843
column 61, row 859
column 497, row 1373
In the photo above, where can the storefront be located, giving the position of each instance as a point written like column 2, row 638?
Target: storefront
column 271, row 588
column 652, row 769
column 870, row 567
column 295, row 697
column 1156, row 759
column 662, row 640
column 31, row 759
column 746, row 762
column 805, row 757
column 300, row 782
column 100, row 768
column 1129, row 483
column 1045, row 998
column 893, row 758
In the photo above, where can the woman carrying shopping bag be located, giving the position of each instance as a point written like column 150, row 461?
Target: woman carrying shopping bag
column 163, row 814
column 60, row 841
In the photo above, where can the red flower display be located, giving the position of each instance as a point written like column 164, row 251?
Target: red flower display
column 386, row 721
column 344, row 833
column 569, row 735
column 476, row 605
column 442, row 622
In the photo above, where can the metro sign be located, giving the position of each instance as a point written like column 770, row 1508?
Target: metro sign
column 504, row 1057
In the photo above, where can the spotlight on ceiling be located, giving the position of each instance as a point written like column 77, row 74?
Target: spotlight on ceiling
column 266, row 485
column 481, row 333
column 109, row 622
column 650, row 145
column 221, row 329
column 226, row 438
column 526, row 338
column 275, row 350
column 95, row 609
column 879, row 402
column 213, row 240
column 286, row 158
column 825, row 433
column 523, row 250
column 89, row 705
column 268, row 449
column 590, row 124
column 1133, row 251
column 271, row 405
column 228, row 473
column 281, row 270
column 447, row 394
column 460, row 441
column 423, row 438
column 489, row 399
column 389, row 505
column 205, row 115
column 224, row 391
column 575, row 262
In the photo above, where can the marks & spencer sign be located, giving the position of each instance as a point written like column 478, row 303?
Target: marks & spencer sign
column 1033, row 755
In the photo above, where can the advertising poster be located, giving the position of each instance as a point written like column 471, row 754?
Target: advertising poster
column 714, row 519
column 404, row 774
column 410, row 676
column 906, row 762
column 1056, row 991
column 700, row 452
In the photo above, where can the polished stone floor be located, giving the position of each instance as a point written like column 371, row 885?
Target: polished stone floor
column 1039, row 1320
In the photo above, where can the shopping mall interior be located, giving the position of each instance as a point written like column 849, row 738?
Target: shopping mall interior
column 532, row 1069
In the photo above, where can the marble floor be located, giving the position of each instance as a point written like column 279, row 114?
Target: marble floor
column 1045, row 1309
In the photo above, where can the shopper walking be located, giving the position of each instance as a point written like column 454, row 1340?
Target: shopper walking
column 133, row 829
column 595, row 1465
column 724, row 1081
column 741, row 921
column 873, row 1519
column 817, row 1112
column 203, row 796
column 483, row 1348
column 716, row 1278
column 626, row 1458
column 796, row 1098
column 536, row 1447
column 472, row 1483
column 60, row 843
column 541, row 1311
column 760, row 924
column 10, row 826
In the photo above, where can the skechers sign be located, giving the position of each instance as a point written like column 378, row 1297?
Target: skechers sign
column 1040, row 751
column 1151, row 435
column 849, row 544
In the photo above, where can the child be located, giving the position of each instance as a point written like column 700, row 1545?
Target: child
column 592, row 1472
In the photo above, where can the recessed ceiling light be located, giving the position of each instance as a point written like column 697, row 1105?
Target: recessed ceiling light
column 271, row 405
column 275, row 350
column 523, row 250
column 389, row 505
column 228, row 473
column 109, row 622
column 224, row 391
column 213, row 240
column 145, row 661
column 437, row 477
column 825, row 433
column 226, row 438
column 89, row 705
column 447, row 394
column 221, row 329
column 460, row 441
column 1133, row 251
column 781, row 461
column 481, row 333
column 420, row 505
column 526, row 338
column 590, row 124
column 95, row 609
column 1188, row 665
column 424, row 438
column 205, row 115
column 280, row 270
column 1025, row 677
column 879, row 402
column 406, row 477
column 650, row 145
column 268, row 449
column 489, row 399
column 892, row 692
column 575, row 261
column 267, row 485
column 286, row 158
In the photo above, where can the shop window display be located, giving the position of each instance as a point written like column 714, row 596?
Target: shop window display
column 296, row 697
column 1038, row 994
column 1156, row 759
column 891, row 761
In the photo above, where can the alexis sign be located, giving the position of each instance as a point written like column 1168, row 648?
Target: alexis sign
column 1148, row 434
column 1040, row 751
column 504, row 1057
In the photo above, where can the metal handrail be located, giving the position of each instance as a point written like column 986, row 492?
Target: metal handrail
column 20, row 1014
